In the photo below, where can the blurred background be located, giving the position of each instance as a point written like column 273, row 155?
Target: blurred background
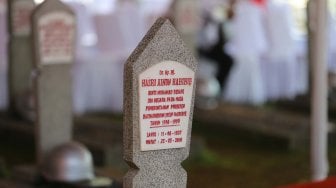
column 252, row 108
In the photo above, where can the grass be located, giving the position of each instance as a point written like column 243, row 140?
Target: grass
column 241, row 159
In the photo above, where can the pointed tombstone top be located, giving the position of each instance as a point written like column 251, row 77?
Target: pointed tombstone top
column 53, row 25
column 162, row 42
column 159, row 87
column 51, row 5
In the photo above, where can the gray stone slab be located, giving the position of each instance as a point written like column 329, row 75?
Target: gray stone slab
column 53, row 33
column 20, row 51
column 155, row 167
column 187, row 16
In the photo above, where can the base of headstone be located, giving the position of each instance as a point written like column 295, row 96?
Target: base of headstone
column 103, row 136
column 108, row 156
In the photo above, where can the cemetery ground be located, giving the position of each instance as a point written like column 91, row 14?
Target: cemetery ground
column 221, row 156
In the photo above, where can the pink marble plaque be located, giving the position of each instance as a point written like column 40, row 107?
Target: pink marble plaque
column 165, row 92
column 56, row 38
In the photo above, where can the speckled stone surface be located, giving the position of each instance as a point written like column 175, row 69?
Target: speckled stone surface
column 20, row 58
column 158, row 168
column 53, row 91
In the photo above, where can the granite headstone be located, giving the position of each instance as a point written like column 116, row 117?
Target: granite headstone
column 53, row 25
column 159, row 90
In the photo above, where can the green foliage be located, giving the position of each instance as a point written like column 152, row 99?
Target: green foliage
column 209, row 158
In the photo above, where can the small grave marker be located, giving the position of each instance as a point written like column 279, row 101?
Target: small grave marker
column 53, row 34
column 158, row 107
column 187, row 15
column 3, row 6
column 20, row 51
column 56, row 37
column 20, row 17
column 187, row 20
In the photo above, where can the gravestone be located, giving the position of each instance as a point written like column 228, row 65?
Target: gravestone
column 186, row 18
column 3, row 6
column 20, row 51
column 159, row 85
column 53, row 25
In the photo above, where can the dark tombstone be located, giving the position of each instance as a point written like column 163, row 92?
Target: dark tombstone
column 158, row 106
column 19, row 51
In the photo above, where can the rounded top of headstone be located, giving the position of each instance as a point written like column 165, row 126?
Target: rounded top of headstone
column 54, row 31
column 69, row 162
column 51, row 5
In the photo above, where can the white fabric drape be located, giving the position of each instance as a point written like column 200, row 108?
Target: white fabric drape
column 281, row 66
column 246, row 45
